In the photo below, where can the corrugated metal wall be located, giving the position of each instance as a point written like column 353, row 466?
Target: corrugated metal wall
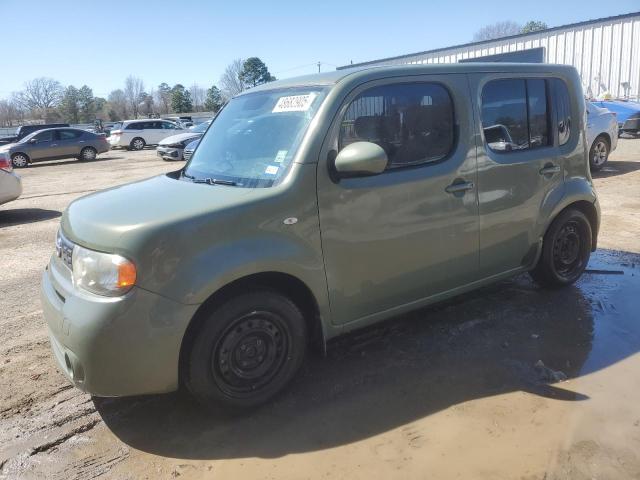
column 606, row 53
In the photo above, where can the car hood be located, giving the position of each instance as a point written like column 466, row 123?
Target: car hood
column 108, row 220
column 181, row 137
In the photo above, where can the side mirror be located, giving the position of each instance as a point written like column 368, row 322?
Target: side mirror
column 361, row 159
column 33, row 140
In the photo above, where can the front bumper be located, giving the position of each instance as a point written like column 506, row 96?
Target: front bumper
column 113, row 346
column 169, row 153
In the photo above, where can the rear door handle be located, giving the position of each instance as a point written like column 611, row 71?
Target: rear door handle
column 550, row 170
column 459, row 187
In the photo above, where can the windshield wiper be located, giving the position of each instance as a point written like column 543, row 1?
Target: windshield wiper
column 210, row 181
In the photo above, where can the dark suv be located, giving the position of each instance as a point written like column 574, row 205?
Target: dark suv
column 25, row 130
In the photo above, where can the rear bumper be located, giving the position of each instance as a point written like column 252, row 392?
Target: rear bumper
column 127, row 345
column 11, row 187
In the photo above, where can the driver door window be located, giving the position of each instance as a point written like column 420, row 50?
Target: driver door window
column 413, row 123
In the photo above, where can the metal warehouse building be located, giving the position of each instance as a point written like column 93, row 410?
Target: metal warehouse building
column 605, row 51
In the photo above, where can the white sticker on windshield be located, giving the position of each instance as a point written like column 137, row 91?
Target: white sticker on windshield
column 280, row 156
column 294, row 103
column 272, row 169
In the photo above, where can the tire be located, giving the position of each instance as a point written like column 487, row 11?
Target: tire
column 566, row 248
column 19, row 160
column 246, row 350
column 137, row 144
column 88, row 153
column 599, row 153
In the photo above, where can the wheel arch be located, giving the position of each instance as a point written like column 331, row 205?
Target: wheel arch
column 590, row 211
column 286, row 284
column 605, row 135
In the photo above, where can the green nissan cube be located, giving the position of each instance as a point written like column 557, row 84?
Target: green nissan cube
column 314, row 206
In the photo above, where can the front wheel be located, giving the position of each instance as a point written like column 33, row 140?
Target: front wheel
column 566, row 248
column 19, row 160
column 599, row 153
column 246, row 350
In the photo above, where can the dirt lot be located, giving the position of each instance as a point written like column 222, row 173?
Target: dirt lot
column 469, row 389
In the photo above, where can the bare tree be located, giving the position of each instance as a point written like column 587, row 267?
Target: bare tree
column 231, row 83
column 41, row 95
column 133, row 89
column 497, row 30
column 10, row 112
column 198, row 96
column 118, row 105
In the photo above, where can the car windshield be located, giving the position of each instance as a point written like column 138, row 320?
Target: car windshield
column 253, row 140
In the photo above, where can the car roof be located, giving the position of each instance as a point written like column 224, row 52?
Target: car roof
column 335, row 77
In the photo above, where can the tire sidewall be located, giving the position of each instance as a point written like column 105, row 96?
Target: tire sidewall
column 132, row 144
column 592, row 165
column 199, row 378
column 549, row 241
column 19, row 166
column 82, row 157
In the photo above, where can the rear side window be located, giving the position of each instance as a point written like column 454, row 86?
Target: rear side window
column 515, row 114
column 68, row 134
column 563, row 109
column 413, row 123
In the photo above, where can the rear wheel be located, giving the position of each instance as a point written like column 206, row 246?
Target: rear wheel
column 246, row 350
column 88, row 153
column 599, row 153
column 566, row 249
column 137, row 144
column 19, row 160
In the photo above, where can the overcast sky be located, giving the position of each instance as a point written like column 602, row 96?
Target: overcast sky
column 99, row 43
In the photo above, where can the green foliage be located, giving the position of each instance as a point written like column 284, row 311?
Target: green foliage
column 534, row 26
column 181, row 99
column 86, row 104
column 214, row 100
column 69, row 108
column 255, row 72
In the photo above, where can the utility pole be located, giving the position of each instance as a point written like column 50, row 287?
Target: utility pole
column 319, row 67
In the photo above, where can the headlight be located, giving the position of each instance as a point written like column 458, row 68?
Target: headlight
column 174, row 145
column 102, row 273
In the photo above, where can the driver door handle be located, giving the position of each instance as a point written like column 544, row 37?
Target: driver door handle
column 459, row 187
column 550, row 169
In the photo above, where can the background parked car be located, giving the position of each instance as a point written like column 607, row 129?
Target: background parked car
column 10, row 183
column 172, row 148
column 188, row 151
column 56, row 143
column 25, row 130
column 628, row 114
column 136, row 134
column 602, row 135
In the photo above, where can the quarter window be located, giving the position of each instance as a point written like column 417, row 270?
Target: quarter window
column 515, row 114
column 562, row 109
column 413, row 123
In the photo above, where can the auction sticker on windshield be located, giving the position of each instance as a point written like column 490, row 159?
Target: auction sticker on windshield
column 294, row 103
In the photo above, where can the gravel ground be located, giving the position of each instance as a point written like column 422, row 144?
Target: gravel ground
column 466, row 394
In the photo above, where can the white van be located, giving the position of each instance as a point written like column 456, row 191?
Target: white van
column 135, row 134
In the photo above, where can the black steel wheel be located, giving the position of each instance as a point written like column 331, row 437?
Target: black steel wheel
column 566, row 250
column 246, row 350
